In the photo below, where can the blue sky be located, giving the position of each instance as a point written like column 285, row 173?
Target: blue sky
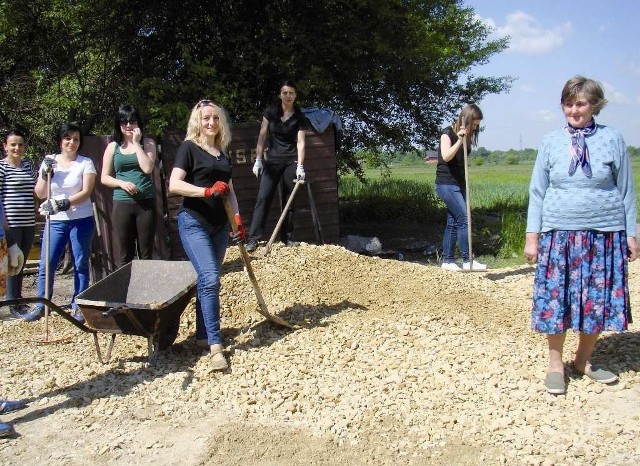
column 552, row 41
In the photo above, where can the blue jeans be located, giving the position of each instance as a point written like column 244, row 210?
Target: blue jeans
column 80, row 233
column 24, row 240
column 206, row 252
column 456, row 229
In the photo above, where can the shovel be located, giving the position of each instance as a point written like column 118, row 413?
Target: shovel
column 47, row 273
column 287, row 206
column 468, row 200
column 262, row 306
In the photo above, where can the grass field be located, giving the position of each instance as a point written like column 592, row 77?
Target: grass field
column 499, row 196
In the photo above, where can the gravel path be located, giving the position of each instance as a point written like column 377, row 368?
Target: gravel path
column 391, row 363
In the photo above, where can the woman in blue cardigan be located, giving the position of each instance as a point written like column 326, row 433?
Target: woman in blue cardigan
column 581, row 231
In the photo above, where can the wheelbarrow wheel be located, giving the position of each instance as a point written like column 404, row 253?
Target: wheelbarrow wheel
column 168, row 336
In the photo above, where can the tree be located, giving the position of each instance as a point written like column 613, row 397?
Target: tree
column 394, row 70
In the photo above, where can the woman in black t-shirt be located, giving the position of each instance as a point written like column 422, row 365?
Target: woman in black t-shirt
column 202, row 174
column 451, row 186
column 285, row 125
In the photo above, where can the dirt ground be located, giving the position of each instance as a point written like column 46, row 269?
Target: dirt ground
column 390, row 362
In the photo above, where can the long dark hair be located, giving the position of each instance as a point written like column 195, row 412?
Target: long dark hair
column 126, row 112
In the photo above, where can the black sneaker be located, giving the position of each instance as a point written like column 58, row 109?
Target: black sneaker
column 18, row 312
column 251, row 245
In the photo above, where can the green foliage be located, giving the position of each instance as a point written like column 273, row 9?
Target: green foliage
column 512, row 234
column 512, row 159
column 78, row 60
column 386, row 199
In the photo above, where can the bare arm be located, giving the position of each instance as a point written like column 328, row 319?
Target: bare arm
column 88, row 182
column 448, row 150
column 106, row 177
column 145, row 153
column 262, row 138
column 41, row 188
column 233, row 200
column 177, row 185
column 531, row 247
column 633, row 248
column 301, row 147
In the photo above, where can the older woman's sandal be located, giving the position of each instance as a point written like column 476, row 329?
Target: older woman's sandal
column 598, row 374
column 554, row 383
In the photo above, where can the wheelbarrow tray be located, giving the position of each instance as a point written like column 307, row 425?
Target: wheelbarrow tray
column 144, row 297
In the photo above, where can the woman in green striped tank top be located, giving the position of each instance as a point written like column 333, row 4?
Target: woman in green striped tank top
column 127, row 167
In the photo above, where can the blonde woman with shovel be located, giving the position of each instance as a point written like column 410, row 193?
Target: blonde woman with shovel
column 451, row 186
column 202, row 175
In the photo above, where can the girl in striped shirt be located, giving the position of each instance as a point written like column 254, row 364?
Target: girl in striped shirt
column 17, row 180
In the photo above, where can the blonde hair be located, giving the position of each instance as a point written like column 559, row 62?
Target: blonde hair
column 194, row 127
column 592, row 90
column 469, row 113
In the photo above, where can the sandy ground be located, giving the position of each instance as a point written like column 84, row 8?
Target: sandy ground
column 389, row 363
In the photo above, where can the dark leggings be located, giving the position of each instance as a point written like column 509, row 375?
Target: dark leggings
column 24, row 239
column 274, row 170
column 134, row 220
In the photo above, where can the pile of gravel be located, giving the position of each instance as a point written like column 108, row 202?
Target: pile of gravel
column 390, row 363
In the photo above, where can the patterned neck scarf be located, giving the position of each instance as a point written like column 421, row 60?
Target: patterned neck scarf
column 579, row 149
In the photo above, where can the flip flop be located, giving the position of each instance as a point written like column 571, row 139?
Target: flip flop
column 598, row 374
column 554, row 383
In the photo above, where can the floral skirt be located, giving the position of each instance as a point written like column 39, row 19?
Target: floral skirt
column 581, row 282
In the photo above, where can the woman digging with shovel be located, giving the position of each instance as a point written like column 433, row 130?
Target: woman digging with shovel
column 451, row 186
column 202, row 175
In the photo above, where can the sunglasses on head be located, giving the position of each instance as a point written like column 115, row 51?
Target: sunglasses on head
column 205, row 102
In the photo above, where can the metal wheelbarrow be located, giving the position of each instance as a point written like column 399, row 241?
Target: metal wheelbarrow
column 144, row 298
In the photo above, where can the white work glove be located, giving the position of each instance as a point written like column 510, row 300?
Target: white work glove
column 53, row 206
column 48, row 166
column 16, row 260
column 299, row 173
column 258, row 168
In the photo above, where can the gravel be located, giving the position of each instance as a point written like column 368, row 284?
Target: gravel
column 390, row 363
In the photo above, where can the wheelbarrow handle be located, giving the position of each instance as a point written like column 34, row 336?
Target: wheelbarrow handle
column 61, row 312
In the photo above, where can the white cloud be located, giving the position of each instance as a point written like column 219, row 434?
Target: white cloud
column 528, row 36
column 544, row 116
column 614, row 96
column 604, row 27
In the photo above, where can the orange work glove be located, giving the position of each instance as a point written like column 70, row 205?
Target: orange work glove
column 239, row 236
column 219, row 188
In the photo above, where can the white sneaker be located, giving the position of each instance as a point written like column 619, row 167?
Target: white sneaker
column 476, row 266
column 451, row 266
